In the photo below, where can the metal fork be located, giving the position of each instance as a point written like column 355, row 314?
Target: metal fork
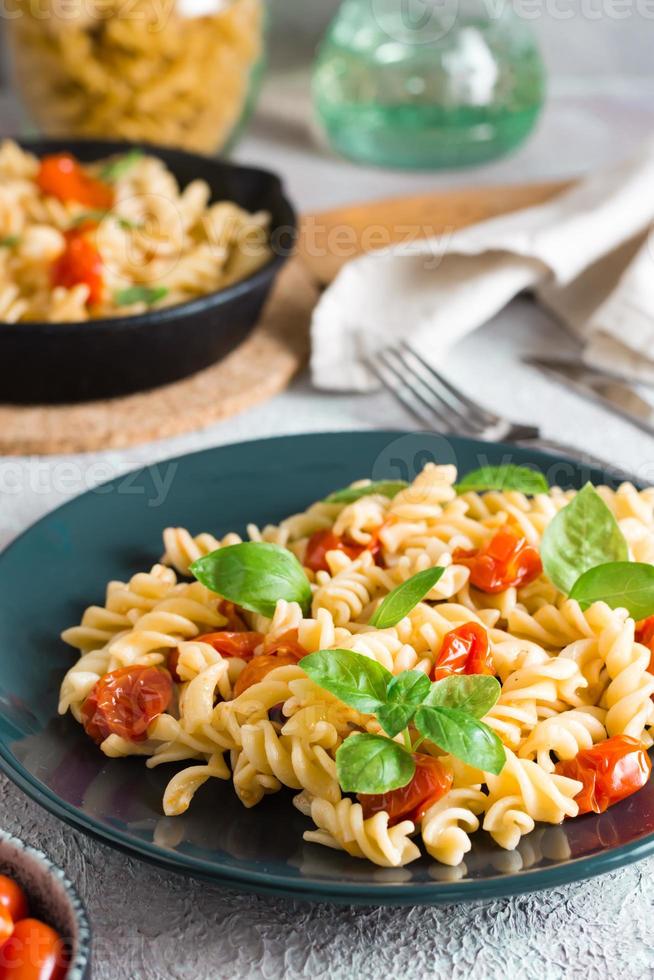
column 437, row 403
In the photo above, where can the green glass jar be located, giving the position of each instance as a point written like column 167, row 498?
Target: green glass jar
column 427, row 84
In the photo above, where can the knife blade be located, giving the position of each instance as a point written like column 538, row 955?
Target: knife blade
column 611, row 392
column 567, row 361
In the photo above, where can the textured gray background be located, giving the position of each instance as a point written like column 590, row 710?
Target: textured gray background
column 154, row 926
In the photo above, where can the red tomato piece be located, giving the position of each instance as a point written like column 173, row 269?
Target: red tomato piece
column 323, row 541
column 645, row 635
column 80, row 262
column 125, row 701
column 230, row 644
column 287, row 644
column 609, row 771
column 12, row 898
column 464, row 650
column 34, row 951
column 430, row 782
column 259, row 668
column 63, row 177
column 235, row 622
column 506, row 560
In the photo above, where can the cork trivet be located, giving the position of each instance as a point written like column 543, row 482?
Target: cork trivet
column 276, row 350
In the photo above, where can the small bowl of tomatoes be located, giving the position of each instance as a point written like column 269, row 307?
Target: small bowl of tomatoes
column 44, row 929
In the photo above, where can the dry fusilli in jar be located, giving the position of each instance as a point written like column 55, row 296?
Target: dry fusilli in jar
column 176, row 72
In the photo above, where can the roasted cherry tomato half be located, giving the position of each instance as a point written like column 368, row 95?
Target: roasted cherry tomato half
column 506, row 560
column 125, row 702
column 34, row 951
column 323, row 541
column 235, row 622
column 12, row 898
column 79, row 263
column 260, row 667
column 609, row 771
column 287, row 644
column 231, row 644
column 430, row 782
column 645, row 635
column 464, row 650
column 63, row 177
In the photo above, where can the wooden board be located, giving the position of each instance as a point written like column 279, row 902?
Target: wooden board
column 277, row 349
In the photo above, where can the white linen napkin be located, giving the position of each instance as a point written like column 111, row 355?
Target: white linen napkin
column 587, row 254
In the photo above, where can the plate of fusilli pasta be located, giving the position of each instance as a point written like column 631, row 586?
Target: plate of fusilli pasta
column 366, row 667
column 142, row 263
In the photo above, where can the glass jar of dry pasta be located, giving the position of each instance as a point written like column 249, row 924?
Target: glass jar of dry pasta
column 176, row 72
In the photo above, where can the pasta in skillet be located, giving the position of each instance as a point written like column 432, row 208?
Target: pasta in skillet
column 81, row 241
column 423, row 588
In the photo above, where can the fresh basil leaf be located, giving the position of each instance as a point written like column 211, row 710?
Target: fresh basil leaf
column 373, row 764
column 387, row 488
column 9, row 241
column 119, row 166
column 354, row 679
column 405, row 693
column 463, row 736
column 140, row 294
column 255, row 575
column 582, row 535
column 508, row 477
column 405, row 597
column 621, row 584
column 473, row 693
column 411, row 687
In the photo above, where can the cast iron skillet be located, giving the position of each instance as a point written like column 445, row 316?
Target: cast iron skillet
column 65, row 362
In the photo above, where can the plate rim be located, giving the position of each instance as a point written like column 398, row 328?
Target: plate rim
column 308, row 888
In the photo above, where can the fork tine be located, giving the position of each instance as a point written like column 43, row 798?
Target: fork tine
column 400, row 385
column 485, row 417
column 391, row 383
column 453, row 414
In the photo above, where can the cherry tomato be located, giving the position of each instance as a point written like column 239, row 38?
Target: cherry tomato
column 260, row 667
column 34, row 951
column 286, row 644
column 12, row 897
column 125, row 701
column 506, row 560
column 231, row 644
column 80, row 262
column 645, row 635
column 610, row 771
column 63, row 177
column 235, row 621
column 464, row 650
column 6, row 924
column 323, row 541
column 431, row 780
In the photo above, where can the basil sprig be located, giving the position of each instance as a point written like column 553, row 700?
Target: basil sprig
column 506, row 477
column 9, row 241
column 140, row 294
column 399, row 603
column 446, row 712
column 119, row 166
column 622, row 585
column 581, row 536
column 348, row 495
column 255, row 575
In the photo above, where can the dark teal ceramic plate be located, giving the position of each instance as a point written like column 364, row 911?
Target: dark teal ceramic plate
column 63, row 563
